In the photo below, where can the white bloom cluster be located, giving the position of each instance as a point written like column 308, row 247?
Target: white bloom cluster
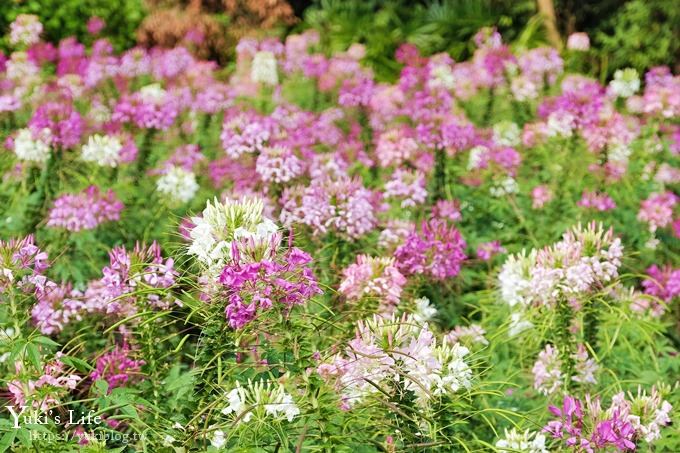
column 527, row 441
column 103, row 150
column 476, row 157
column 153, row 93
column 262, row 401
column 218, row 439
column 424, row 310
column 397, row 353
column 506, row 133
column 506, row 186
column 263, row 68
column 582, row 261
column 560, row 124
column 31, row 149
column 21, row 69
column 178, row 184
column 222, row 223
column 442, row 77
column 25, row 30
column 625, row 84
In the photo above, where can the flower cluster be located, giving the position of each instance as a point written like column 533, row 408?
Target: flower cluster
column 373, row 277
column 662, row 283
column 590, row 428
column 84, row 211
column 583, row 261
column 526, row 442
column 46, row 391
column 116, row 367
column 253, row 281
column 436, row 251
column 260, row 400
column 343, row 206
column 392, row 353
column 222, row 223
column 547, row 370
column 130, row 277
column 22, row 263
column 177, row 185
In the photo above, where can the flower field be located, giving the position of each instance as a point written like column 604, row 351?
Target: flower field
column 288, row 253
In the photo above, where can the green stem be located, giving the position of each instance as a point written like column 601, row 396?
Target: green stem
column 488, row 113
column 564, row 339
column 591, row 321
column 439, row 174
column 43, row 191
column 145, row 152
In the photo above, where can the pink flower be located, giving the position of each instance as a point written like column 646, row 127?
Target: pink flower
column 487, row 250
column 407, row 186
column 662, row 283
column 95, row 25
column 597, row 201
column 84, row 211
column 540, row 195
column 373, row 277
column 578, row 41
column 437, row 251
column 286, row 280
column 117, row 368
column 657, row 210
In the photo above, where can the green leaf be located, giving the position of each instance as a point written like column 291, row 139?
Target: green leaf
column 34, row 356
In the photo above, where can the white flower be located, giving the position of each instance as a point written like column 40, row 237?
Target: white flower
column 218, row 440
column 282, row 405
column 237, row 405
column 518, row 324
column 25, row 30
column 168, row 440
column 245, row 401
column 442, row 77
column 21, row 69
column 223, row 223
column 529, row 442
column 506, row 133
column 32, row 149
column 178, row 185
column 619, row 153
column 424, row 311
column 476, row 157
column 560, row 124
column 102, row 150
column 153, row 93
column 506, row 186
column 626, row 83
column 264, row 68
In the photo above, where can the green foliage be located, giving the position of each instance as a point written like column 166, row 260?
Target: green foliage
column 642, row 34
column 433, row 26
column 64, row 18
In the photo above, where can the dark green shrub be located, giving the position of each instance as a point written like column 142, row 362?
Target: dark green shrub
column 63, row 18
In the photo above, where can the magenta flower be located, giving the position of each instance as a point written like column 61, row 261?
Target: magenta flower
column 84, row 211
column 663, row 283
column 117, row 368
column 253, row 286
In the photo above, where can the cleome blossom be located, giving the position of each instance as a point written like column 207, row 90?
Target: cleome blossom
column 583, row 261
column 246, row 263
column 624, row 425
column 222, row 223
column 260, row 400
column 84, row 211
column 397, row 353
column 373, row 277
